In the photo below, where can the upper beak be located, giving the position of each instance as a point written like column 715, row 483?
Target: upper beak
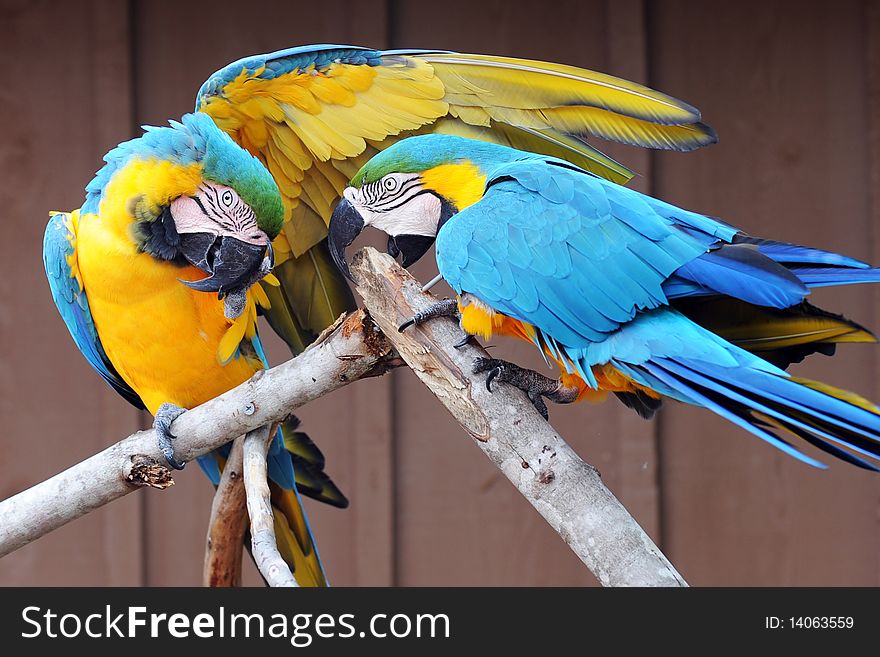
column 345, row 225
column 232, row 263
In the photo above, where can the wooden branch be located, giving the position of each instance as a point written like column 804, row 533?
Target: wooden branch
column 228, row 524
column 567, row 492
column 347, row 351
column 259, row 507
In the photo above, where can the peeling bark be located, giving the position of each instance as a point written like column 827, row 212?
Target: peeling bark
column 504, row 424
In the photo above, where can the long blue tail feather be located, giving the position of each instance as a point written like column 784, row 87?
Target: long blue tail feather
column 765, row 272
column 820, row 419
column 697, row 398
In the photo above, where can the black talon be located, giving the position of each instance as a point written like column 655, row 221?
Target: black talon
column 539, row 404
column 410, row 322
column 492, row 375
column 165, row 416
column 461, row 343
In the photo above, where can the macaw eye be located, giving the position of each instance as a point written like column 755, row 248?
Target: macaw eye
column 226, row 198
column 390, row 184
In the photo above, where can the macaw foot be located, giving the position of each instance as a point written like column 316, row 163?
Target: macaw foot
column 165, row 416
column 445, row 308
column 535, row 385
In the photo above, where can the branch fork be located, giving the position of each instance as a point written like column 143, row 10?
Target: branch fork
column 504, row 425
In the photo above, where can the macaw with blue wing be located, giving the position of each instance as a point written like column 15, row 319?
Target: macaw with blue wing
column 248, row 182
column 625, row 293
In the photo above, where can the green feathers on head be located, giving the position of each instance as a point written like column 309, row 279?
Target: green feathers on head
column 197, row 139
column 227, row 163
column 418, row 154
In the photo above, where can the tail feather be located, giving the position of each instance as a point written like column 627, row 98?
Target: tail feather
column 752, row 396
column 828, row 276
column 734, row 413
column 781, row 336
column 828, row 415
column 814, row 267
column 819, row 443
column 292, row 532
column 294, row 537
column 308, row 466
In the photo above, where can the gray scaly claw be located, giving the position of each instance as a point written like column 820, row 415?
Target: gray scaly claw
column 444, row 308
column 535, row 385
column 165, row 417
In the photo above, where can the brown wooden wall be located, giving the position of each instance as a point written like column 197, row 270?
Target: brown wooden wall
column 792, row 88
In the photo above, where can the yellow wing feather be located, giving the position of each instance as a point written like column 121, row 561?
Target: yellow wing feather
column 315, row 126
column 307, row 124
column 472, row 80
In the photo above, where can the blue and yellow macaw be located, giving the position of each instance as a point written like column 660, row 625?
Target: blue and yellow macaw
column 250, row 179
column 625, row 293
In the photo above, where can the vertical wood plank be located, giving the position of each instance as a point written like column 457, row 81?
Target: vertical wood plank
column 786, row 91
column 458, row 521
column 627, row 57
column 65, row 99
column 871, row 21
column 353, row 426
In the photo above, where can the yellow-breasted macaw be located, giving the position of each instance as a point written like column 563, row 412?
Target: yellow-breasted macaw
column 272, row 144
column 624, row 292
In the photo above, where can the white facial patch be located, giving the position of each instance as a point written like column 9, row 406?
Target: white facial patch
column 218, row 210
column 397, row 205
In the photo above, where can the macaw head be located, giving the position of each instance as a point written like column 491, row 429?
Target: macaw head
column 190, row 195
column 410, row 189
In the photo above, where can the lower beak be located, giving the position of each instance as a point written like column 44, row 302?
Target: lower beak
column 409, row 247
column 345, row 225
column 232, row 263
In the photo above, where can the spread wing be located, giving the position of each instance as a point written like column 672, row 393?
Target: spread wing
column 314, row 115
column 59, row 258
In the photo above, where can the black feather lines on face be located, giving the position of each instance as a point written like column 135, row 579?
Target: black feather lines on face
column 237, row 217
column 160, row 239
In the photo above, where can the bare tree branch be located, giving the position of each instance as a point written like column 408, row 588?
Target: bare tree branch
column 226, row 530
column 259, row 507
column 349, row 350
column 567, row 492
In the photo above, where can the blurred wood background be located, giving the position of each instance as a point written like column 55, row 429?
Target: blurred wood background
column 794, row 92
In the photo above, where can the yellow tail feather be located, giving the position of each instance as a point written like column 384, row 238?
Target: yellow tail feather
column 293, row 538
column 839, row 393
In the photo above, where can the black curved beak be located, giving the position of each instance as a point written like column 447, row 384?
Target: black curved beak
column 409, row 247
column 232, row 263
column 346, row 224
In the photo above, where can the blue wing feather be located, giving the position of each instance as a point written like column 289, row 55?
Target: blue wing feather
column 280, row 62
column 59, row 244
column 590, row 266
column 610, row 248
